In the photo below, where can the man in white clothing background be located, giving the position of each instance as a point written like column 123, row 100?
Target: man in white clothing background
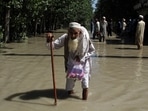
column 139, row 36
column 96, row 29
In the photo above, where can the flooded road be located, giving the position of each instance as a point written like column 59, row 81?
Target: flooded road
column 121, row 77
column 119, row 80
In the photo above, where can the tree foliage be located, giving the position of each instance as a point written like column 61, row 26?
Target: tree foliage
column 36, row 16
column 116, row 9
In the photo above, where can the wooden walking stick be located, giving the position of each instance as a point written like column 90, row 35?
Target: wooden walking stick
column 53, row 74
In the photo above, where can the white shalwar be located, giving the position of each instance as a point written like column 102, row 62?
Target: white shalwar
column 84, row 51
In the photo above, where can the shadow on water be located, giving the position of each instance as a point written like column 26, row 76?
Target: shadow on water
column 1, row 51
column 127, row 48
column 14, row 54
column 6, row 48
column 24, row 97
column 124, row 57
column 116, row 41
column 94, row 56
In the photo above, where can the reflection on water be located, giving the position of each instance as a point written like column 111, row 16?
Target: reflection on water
column 85, row 108
column 139, row 64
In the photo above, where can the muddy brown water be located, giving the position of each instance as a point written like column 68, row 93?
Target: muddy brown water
column 118, row 81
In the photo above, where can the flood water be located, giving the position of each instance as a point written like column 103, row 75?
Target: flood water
column 119, row 79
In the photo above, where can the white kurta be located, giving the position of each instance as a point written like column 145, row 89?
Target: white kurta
column 140, row 33
column 84, row 51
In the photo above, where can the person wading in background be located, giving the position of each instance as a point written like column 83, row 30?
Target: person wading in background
column 139, row 36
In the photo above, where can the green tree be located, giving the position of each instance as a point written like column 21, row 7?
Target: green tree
column 24, row 17
column 116, row 9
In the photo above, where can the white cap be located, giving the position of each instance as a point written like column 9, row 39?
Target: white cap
column 141, row 16
column 74, row 25
column 124, row 19
column 104, row 17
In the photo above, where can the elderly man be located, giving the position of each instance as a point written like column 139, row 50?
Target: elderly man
column 77, row 47
column 139, row 36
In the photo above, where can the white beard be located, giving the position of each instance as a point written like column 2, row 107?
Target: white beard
column 72, row 45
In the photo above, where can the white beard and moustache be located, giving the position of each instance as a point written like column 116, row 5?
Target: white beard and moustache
column 73, row 45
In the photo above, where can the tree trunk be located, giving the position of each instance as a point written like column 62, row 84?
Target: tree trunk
column 35, row 28
column 7, row 21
